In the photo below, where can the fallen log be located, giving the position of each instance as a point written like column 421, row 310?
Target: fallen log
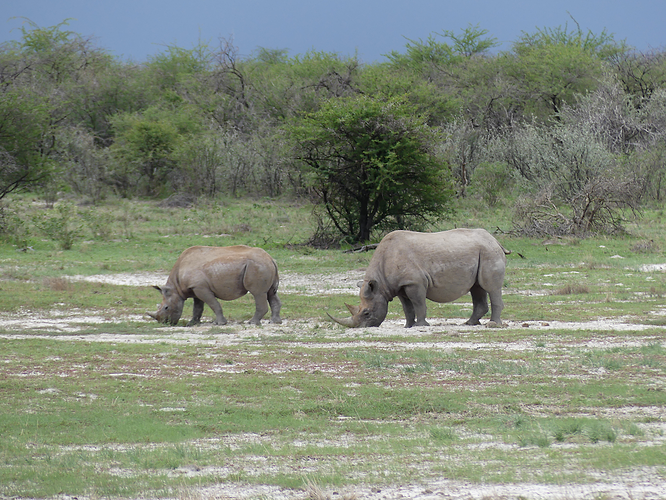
column 364, row 248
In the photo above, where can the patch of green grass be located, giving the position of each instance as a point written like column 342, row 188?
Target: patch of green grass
column 442, row 434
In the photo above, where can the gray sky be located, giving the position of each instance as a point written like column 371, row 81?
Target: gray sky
column 137, row 29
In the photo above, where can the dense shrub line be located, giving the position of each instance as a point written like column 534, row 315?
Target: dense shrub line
column 567, row 125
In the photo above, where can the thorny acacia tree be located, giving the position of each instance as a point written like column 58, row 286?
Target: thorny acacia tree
column 372, row 164
column 574, row 171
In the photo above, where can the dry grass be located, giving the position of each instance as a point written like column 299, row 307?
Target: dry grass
column 314, row 492
column 572, row 290
column 57, row 284
column 645, row 246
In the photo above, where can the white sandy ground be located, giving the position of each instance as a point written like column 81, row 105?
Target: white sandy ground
column 644, row 484
column 454, row 490
column 289, row 283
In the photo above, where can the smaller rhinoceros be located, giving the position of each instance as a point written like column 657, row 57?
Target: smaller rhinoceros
column 227, row 273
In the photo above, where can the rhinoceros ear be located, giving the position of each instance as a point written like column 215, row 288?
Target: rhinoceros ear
column 370, row 289
column 157, row 288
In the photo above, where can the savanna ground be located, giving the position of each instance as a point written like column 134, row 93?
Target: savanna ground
column 567, row 401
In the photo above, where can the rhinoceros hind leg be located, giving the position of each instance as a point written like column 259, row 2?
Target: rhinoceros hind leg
column 261, row 308
column 276, row 304
column 497, row 305
column 479, row 303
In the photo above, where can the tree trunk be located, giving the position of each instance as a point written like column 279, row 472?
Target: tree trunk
column 364, row 224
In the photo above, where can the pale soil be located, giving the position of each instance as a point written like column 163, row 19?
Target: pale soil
column 633, row 485
column 294, row 283
column 444, row 489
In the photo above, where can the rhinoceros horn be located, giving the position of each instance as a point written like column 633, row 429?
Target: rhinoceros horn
column 151, row 314
column 353, row 309
column 348, row 322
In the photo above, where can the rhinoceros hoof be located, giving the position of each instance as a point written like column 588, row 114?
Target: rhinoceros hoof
column 493, row 324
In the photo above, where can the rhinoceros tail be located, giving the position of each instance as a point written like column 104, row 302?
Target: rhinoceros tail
column 276, row 282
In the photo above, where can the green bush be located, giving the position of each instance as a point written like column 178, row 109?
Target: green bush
column 492, row 181
column 99, row 223
column 13, row 228
column 60, row 225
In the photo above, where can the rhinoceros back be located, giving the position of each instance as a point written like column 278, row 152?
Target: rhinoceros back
column 230, row 272
column 448, row 263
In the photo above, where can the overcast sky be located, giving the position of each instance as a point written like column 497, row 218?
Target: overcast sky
column 136, row 29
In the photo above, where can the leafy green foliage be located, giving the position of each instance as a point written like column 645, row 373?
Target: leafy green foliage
column 41, row 80
column 145, row 145
column 176, row 65
column 493, row 181
column 554, row 73
column 423, row 56
column 13, row 228
column 372, row 165
column 602, row 44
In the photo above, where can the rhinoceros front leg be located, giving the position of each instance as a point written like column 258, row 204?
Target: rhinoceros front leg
column 205, row 295
column 416, row 294
column 408, row 308
column 197, row 311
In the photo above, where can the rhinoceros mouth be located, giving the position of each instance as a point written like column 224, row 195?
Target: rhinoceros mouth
column 165, row 321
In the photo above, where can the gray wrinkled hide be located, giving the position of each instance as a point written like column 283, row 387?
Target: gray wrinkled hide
column 440, row 266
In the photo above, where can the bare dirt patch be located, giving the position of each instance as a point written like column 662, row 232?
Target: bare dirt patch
column 289, row 282
column 445, row 489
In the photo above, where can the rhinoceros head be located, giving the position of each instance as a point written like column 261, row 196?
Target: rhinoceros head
column 171, row 308
column 372, row 310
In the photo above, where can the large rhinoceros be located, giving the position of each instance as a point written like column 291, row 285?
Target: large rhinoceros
column 438, row 266
column 227, row 273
